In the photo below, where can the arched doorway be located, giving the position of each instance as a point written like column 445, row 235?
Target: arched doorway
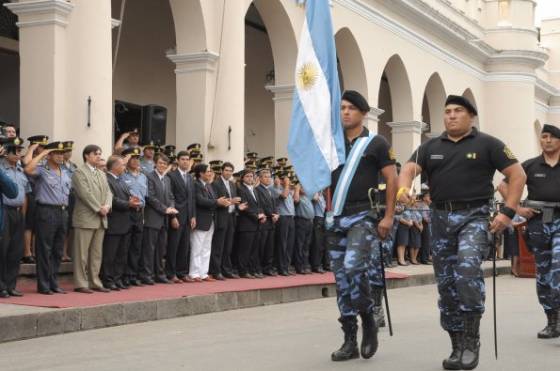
column 470, row 96
column 352, row 73
column 143, row 74
column 9, row 66
column 433, row 107
column 395, row 96
column 270, row 57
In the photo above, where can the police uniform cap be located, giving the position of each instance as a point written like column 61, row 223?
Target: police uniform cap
column 150, row 145
column 194, row 146
column 552, row 130
column 356, row 99
column 132, row 151
column 68, row 145
column 282, row 161
column 170, row 148
column 216, row 163
column 56, row 146
column 463, row 102
column 39, row 139
column 11, row 145
column 252, row 155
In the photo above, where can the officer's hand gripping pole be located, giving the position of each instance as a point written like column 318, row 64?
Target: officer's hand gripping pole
column 494, row 274
column 374, row 203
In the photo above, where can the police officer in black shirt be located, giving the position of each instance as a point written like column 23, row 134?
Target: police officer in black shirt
column 353, row 229
column 542, row 210
column 460, row 165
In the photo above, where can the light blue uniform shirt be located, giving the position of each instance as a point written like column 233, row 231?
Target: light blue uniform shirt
column 17, row 175
column 286, row 207
column 51, row 188
column 137, row 185
column 304, row 208
column 319, row 206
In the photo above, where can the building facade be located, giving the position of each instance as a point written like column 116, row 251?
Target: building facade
column 224, row 69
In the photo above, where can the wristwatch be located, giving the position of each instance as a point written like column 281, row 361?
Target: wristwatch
column 507, row 211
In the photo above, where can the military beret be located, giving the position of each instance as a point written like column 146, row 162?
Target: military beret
column 463, row 102
column 132, row 151
column 39, row 139
column 356, row 99
column 56, row 146
column 552, row 130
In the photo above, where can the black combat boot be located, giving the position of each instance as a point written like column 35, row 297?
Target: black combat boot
column 453, row 362
column 348, row 350
column 471, row 342
column 369, row 336
column 552, row 329
column 378, row 313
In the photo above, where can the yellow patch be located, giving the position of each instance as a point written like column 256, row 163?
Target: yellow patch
column 307, row 76
column 392, row 154
column 471, row 155
column 509, row 153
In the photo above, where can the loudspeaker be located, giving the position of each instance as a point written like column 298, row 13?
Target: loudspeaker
column 154, row 122
column 128, row 116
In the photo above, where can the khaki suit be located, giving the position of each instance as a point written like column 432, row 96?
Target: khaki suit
column 92, row 191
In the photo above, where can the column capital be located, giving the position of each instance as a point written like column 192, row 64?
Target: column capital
column 281, row 92
column 194, row 62
column 407, row 127
column 41, row 12
column 432, row 135
column 374, row 113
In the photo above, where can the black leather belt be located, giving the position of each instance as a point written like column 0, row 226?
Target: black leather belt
column 451, row 206
column 58, row 207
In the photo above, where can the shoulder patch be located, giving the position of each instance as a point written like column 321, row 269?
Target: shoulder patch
column 392, row 154
column 509, row 153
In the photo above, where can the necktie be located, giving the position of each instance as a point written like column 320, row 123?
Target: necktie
column 209, row 189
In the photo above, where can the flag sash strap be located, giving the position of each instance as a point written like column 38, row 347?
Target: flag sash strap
column 345, row 179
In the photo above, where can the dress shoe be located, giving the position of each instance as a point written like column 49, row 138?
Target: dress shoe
column 247, row 275
column 209, row 279
column 136, row 283
column 148, row 281
column 121, row 285
column 175, row 280
column 319, row 270
column 283, row 273
column 292, row 273
column 4, row 294
column 101, row 289
column 220, row 277
column 162, row 280
column 28, row 260
column 186, row 279
column 235, row 276
column 112, row 287
column 269, row 273
column 83, row 290
column 15, row 293
column 258, row 275
column 58, row 290
column 228, row 275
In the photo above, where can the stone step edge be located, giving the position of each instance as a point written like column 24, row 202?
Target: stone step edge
column 61, row 321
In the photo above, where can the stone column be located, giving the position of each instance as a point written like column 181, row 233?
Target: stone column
column 372, row 119
column 195, row 74
column 407, row 136
column 42, row 49
column 283, row 97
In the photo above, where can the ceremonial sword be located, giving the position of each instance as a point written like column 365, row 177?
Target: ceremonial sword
column 494, row 212
column 377, row 207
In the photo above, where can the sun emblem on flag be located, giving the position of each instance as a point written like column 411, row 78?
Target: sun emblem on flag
column 307, row 76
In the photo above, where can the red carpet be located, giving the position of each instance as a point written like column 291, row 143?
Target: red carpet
column 163, row 291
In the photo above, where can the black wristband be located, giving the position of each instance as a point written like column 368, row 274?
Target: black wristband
column 507, row 211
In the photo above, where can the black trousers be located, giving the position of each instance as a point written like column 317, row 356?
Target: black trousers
column 52, row 225
column 247, row 244
column 154, row 243
column 285, row 237
column 135, row 245
column 178, row 250
column 425, row 251
column 304, row 234
column 11, row 247
column 222, row 243
column 266, row 250
column 115, row 254
column 317, row 250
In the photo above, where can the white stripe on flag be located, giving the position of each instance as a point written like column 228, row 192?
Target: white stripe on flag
column 316, row 101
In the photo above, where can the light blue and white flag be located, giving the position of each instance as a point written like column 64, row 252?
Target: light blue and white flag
column 316, row 141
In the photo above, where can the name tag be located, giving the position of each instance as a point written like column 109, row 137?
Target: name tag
column 436, row 157
column 540, row 175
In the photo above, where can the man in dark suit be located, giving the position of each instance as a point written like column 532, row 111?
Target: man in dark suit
column 266, row 230
column 250, row 216
column 117, row 236
column 160, row 206
column 222, row 241
column 182, row 187
column 201, row 238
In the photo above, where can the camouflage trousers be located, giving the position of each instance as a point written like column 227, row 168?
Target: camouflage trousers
column 544, row 241
column 460, row 243
column 350, row 242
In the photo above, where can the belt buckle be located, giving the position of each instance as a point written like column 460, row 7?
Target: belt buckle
column 449, row 206
column 62, row 207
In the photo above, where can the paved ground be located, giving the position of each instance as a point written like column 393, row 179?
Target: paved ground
column 298, row 336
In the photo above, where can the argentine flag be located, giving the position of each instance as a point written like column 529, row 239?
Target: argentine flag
column 316, row 140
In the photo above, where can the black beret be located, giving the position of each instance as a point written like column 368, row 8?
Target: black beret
column 463, row 102
column 552, row 130
column 356, row 99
